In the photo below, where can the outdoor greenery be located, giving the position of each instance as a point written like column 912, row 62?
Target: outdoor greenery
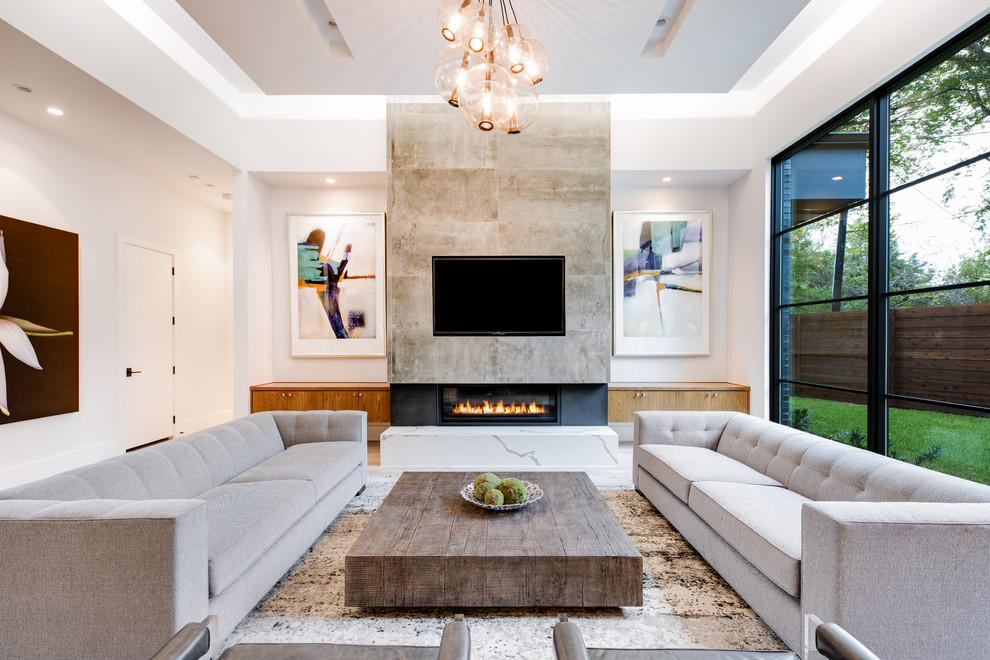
column 938, row 236
column 954, row 444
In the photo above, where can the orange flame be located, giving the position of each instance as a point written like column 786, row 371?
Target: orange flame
column 499, row 408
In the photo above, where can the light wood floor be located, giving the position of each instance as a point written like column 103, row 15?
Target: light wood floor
column 374, row 452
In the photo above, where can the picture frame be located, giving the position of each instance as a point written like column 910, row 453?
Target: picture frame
column 336, row 274
column 39, row 304
column 661, row 276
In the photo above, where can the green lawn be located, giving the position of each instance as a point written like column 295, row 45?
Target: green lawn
column 965, row 440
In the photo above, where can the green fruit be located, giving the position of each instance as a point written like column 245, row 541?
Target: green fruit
column 483, row 483
column 513, row 490
column 495, row 497
column 483, row 487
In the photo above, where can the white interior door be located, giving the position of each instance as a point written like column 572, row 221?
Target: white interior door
column 147, row 347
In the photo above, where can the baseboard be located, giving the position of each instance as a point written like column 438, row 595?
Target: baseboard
column 203, row 422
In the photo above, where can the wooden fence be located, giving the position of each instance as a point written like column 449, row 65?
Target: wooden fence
column 939, row 353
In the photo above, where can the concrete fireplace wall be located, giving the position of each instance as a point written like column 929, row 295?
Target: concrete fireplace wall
column 454, row 190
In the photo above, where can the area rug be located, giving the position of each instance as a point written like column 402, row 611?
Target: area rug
column 685, row 602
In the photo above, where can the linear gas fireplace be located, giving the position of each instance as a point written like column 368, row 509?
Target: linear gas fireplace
column 498, row 404
column 432, row 404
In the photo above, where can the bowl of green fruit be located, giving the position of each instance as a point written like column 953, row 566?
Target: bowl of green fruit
column 491, row 492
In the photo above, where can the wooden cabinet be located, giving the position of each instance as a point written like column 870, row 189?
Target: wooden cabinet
column 373, row 398
column 624, row 399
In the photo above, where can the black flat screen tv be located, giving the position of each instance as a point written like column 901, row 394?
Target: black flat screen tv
column 496, row 296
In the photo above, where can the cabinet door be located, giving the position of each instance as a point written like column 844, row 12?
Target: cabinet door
column 262, row 400
column 737, row 400
column 373, row 402
column 693, row 400
column 713, row 400
column 376, row 404
column 623, row 403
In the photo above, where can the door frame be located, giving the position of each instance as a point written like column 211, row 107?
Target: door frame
column 124, row 240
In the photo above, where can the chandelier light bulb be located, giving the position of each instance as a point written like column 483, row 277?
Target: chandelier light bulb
column 486, row 97
column 512, row 47
column 537, row 61
column 451, row 18
column 450, row 71
column 522, row 107
column 480, row 35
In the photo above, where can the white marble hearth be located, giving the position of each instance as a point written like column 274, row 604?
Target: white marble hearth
column 499, row 447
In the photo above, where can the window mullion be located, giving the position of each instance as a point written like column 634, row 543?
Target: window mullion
column 878, row 277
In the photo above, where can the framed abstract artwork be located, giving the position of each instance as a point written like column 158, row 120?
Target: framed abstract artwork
column 661, row 276
column 39, row 321
column 337, row 284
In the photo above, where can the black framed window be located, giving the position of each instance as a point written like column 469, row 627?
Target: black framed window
column 880, row 287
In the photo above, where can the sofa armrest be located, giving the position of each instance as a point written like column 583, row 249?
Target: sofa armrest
column 905, row 578
column 100, row 578
column 455, row 643
column 192, row 642
column 322, row 426
column 568, row 643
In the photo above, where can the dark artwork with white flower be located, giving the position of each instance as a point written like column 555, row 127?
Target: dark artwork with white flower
column 39, row 321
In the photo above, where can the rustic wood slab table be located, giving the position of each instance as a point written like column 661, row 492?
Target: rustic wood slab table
column 428, row 547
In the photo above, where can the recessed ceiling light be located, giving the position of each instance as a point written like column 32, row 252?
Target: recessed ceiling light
column 22, row 88
column 667, row 179
column 836, row 178
column 228, row 196
column 55, row 111
column 208, row 185
column 330, row 180
column 194, row 177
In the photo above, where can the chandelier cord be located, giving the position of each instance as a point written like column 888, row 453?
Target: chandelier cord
column 513, row 9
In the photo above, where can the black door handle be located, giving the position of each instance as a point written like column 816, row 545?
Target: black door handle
column 131, row 372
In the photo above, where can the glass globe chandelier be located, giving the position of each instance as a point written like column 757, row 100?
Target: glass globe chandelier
column 488, row 70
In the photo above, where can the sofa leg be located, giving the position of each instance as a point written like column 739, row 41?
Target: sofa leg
column 360, row 491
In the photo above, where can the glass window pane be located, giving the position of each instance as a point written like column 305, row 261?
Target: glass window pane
column 941, row 117
column 826, row 348
column 937, row 230
column 839, row 416
column 826, row 176
column 940, row 349
column 826, row 259
column 942, row 440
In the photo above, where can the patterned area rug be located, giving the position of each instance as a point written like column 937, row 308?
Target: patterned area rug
column 685, row 602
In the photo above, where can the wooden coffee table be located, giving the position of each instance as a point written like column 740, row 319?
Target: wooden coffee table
column 427, row 547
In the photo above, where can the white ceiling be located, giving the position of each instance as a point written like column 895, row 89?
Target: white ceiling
column 595, row 47
column 241, row 51
column 104, row 122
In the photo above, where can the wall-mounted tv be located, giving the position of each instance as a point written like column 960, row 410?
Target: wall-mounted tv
column 495, row 296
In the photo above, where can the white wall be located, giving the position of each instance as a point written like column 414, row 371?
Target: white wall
column 48, row 181
column 314, row 200
column 252, row 288
column 701, row 368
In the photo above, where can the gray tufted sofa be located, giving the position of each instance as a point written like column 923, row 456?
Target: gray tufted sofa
column 109, row 560
column 896, row 554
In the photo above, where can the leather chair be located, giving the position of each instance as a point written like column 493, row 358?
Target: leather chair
column 192, row 642
column 832, row 642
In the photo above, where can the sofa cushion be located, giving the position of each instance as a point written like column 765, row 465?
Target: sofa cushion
column 323, row 464
column 329, row 426
column 696, row 429
column 758, row 442
column 676, row 467
column 246, row 519
column 762, row 523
